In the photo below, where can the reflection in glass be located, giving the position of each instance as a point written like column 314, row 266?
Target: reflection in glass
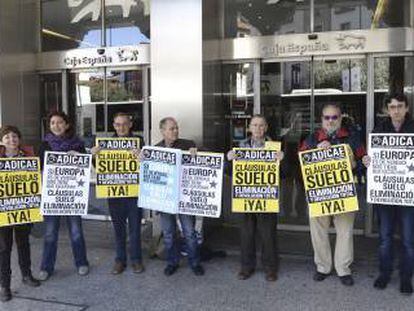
column 333, row 15
column 124, row 86
column 69, row 24
column 127, row 22
column 285, row 100
column 392, row 74
column 245, row 18
column 238, row 99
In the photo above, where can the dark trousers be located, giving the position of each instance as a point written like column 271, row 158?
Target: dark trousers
column 388, row 219
column 21, row 236
column 266, row 225
column 123, row 211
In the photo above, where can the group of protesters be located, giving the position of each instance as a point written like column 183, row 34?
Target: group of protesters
column 126, row 216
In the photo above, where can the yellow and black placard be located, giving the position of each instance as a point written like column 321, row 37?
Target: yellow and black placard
column 328, row 179
column 117, row 168
column 20, row 191
column 255, row 184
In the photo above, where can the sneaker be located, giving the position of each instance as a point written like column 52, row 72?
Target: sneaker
column 170, row 270
column 83, row 270
column 347, row 280
column 244, row 274
column 138, row 267
column 118, row 268
column 30, row 281
column 5, row 294
column 406, row 288
column 381, row 282
column 271, row 276
column 319, row 276
column 198, row 270
column 43, row 275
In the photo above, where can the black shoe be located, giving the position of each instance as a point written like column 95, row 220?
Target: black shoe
column 381, row 282
column 406, row 288
column 319, row 276
column 244, row 273
column 347, row 280
column 5, row 294
column 30, row 281
column 170, row 270
column 198, row 270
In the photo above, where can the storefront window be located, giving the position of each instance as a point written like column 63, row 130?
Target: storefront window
column 127, row 22
column 333, row 15
column 245, row 18
column 70, row 24
column 124, row 86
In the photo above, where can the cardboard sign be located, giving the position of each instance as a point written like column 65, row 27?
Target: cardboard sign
column 117, row 168
column 201, row 184
column 66, row 179
column 391, row 172
column 329, row 182
column 255, row 184
column 20, row 189
column 160, row 179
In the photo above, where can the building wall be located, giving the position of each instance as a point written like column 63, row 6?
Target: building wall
column 19, row 100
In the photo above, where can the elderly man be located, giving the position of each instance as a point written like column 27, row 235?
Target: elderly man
column 332, row 133
column 124, row 211
column 398, row 121
column 169, row 131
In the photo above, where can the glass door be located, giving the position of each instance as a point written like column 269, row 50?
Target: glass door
column 95, row 96
column 285, row 102
column 292, row 96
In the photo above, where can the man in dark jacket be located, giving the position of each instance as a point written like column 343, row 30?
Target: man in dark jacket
column 124, row 211
column 398, row 121
column 169, row 132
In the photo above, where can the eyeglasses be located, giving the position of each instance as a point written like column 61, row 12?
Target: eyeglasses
column 333, row 118
column 120, row 124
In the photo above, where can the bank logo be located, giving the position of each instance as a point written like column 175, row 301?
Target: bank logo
column 351, row 42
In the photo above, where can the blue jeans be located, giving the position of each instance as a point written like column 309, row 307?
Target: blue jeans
column 74, row 224
column 169, row 228
column 388, row 218
column 123, row 210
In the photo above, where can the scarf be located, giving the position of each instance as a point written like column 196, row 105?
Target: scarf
column 63, row 143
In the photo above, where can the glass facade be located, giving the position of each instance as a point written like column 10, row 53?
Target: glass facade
column 69, row 24
column 246, row 18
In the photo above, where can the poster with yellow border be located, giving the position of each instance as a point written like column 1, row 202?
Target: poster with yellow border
column 117, row 168
column 20, row 191
column 255, row 183
column 329, row 182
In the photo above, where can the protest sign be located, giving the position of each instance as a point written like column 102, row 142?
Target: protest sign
column 329, row 182
column 255, row 186
column 66, row 180
column 391, row 172
column 159, row 179
column 20, row 189
column 201, row 184
column 117, row 168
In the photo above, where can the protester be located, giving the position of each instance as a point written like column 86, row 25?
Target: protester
column 169, row 131
column 125, row 210
column 398, row 121
column 265, row 224
column 333, row 133
column 10, row 138
column 62, row 138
